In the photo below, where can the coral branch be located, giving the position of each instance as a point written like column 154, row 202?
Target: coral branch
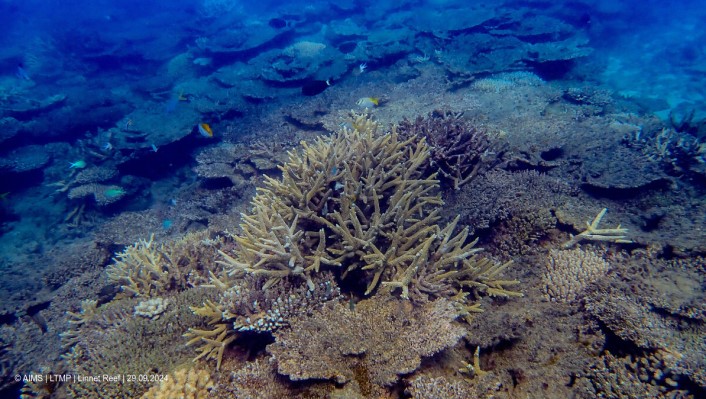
column 593, row 233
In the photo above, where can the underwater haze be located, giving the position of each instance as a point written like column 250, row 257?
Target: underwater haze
column 352, row 199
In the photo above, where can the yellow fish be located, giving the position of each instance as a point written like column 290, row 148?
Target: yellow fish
column 205, row 130
column 368, row 102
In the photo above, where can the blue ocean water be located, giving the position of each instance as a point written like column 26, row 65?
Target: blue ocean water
column 125, row 119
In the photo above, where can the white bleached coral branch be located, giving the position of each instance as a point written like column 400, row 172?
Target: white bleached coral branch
column 593, row 233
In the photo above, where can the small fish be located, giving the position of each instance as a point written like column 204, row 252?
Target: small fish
column 166, row 224
column 368, row 102
column 315, row 87
column 205, row 130
column 114, row 192
column 107, row 146
column 154, row 148
column 362, row 67
column 77, row 165
column 173, row 202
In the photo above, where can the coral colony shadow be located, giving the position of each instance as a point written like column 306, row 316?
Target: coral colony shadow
column 216, row 199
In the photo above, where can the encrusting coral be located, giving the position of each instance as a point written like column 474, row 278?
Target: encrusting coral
column 360, row 205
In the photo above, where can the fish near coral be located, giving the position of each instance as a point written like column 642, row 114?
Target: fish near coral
column 368, row 102
column 77, row 165
column 114, row 192
column 205, row 130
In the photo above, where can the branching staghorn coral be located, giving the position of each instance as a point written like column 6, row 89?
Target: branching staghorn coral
column 140, row 269
column 357, row 205
column 445, row 265
column 336, row 204
column 89, row 310
column 214, row 341
column 593, row 233
column 247, row 306
column 358, row 202
column 147, row 269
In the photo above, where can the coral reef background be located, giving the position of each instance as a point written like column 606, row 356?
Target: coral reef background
column 502, row 199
